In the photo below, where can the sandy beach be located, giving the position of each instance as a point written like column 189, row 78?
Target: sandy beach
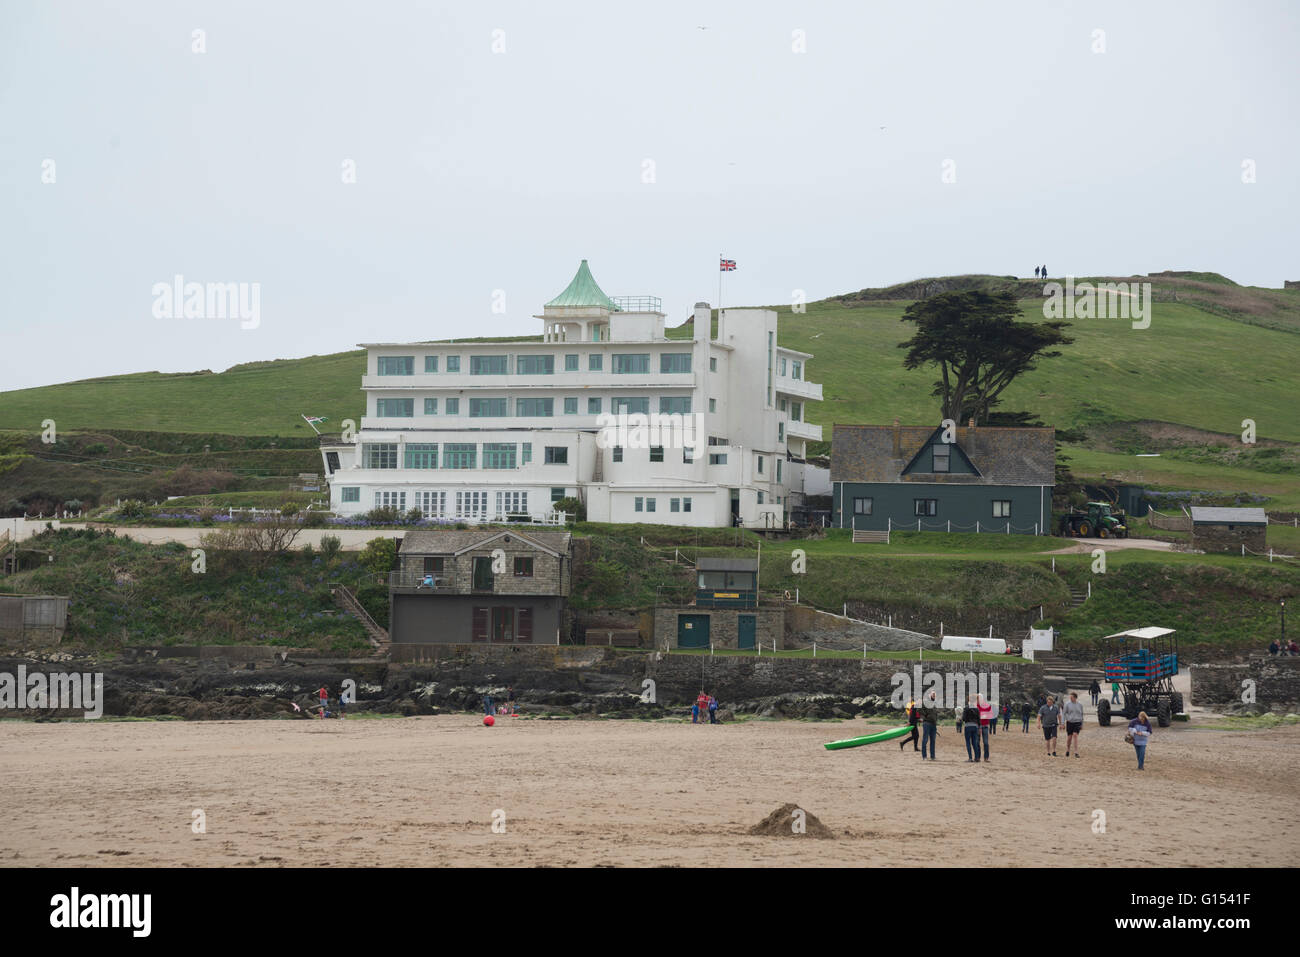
column 426, row 791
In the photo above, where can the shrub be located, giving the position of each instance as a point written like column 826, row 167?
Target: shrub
column 131, row 508
column 96, row 448
column 382, row 516
column 413, row 516
column 289, row 508
column 329, row 547
column 571, row 507
column 379, row 556
column 313, row 519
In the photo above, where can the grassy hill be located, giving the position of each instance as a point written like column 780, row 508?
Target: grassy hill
column 1215, row 353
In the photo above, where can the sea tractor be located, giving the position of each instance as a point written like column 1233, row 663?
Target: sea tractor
column 1100, row 519
column 1143, row 661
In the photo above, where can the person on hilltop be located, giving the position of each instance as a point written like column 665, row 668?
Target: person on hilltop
column 1139, row 735
column 1048, row 717
column 1073, row 712
column 929, row 725
column 913, row 719
column 1035, row 272
column 970, row 724
column 1044, row 271
column 1094, row 689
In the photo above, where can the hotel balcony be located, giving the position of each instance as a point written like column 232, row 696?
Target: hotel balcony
column 799, row 388
column 804, row 430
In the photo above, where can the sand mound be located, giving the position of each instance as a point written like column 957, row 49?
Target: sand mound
column 782, row 823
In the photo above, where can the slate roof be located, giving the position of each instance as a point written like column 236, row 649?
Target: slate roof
column 1204, row 515
column 454, row 541
column 1004, row 456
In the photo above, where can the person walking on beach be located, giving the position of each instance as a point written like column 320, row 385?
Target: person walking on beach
column 1006, row 715
column 1073, row 711
column 929, row 726
column 1026, row 712
column 1139, row 732
column 986, row 718
column 324, row 694
column 489, row 707
column 695, row 713
column 913, row 719
column 713, row 710
column 1114, row 692
column 1094, row 689
column 970, row 723
column 1048, row 717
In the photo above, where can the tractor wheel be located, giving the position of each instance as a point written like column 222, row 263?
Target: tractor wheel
column 1176, row 702
column 1162, row 713
column 1103, row 532
column 1103, row 713
column 1082, row 530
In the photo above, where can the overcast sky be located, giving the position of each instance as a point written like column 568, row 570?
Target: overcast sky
column 497, row 144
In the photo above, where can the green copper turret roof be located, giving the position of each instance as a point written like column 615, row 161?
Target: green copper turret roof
column 583, row 292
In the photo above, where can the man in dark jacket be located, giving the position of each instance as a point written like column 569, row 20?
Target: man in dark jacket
column 929, row 725
column 1026, row 712
column 1094, row 689
column 970, row 723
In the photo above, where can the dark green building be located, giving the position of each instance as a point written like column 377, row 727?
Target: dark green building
column 907, row 477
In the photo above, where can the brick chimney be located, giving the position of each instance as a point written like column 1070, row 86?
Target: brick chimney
column 898, row 441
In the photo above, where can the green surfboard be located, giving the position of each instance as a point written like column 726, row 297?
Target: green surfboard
column 868, row 738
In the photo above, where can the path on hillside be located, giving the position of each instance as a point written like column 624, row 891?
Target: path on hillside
column 1078, row 545
column 353, row 539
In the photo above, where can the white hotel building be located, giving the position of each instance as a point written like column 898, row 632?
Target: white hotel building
column 477, row 431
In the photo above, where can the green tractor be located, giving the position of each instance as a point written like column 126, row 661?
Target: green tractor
column 1096, row 519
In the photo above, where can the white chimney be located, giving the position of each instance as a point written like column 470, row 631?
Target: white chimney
column 703, row 322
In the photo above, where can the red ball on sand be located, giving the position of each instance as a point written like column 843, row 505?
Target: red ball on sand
column 489, row 720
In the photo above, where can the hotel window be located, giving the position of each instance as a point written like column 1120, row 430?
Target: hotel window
column 1001, row 508
column 796, row 411
column 638, row 504
column 453, row 363
column 674, row 362
column 512, row 503
column 713, row 363
column 430, row 363
column 780, row 431
column 778, row 470
column 421, row 456
column 688, row 455
column 941, row 453
column 432, row 505
column 595, row 362
column 713, row 405
column 770, row 343
column 395, row 408
column 535, row 365
column 474, row 505
column 674, row 505
column 760, row 498
column 862, row 506
column 760, row 464
column 487, row 365
column 796, row 370
column 782, row 372
column 570, row 363
column 487, row 408
column 571, row 405
column 925, row 506
column 593, row 406
column 396, row 365
column 534, row 408
column 498, row 455
column 453, row 405
column 649, row 505
column 632, row 406
column 395, row 500
column 675, row 404
column 656, row 453
column 351, row 493
column 631, row 363
column 382, row 455
column 523, row 568
column 686, row 504
column 557, row 494
column 718, row 458
column 780, row 404
column 526, row 453
column 459, row 455
column 557, row 455
column 430, row 406
column 618, row 453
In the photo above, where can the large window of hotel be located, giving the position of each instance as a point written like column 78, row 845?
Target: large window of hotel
column 718, row 458
column 512, row 503
column 526, row 453
column 593, row 406
column 796, row 369
column 675, row 404
column 688, row 455
column 780, row 404
column 1001, row 508
column 557, row 494
column 632, row 406
column 595, row 362
column 649, row 505
column 656, row 453
column 571, row 405
column 453, row 363
column 459, row 455
column 570, row 363
column 796, row 411
column 487, row 408
column 925, row 506
column 379, row 455
column 473, row 505
column 535, row 365
column 498, row 455
column 760, row 465
column 395, row 408
column 782, row 369
column 433, row 505
column 941, row 453
column 778, row 470
column 557, row 455
column 532, row 408
column 488, row 365
column 760, row 498
column 396, row 365
column 453, row 407
column 430, row 363
column 618, row 453
column 630, row 363
column 862, row 506
column 670, row 362
column 638, row 504
column 395, row 500
column 421, row 455
column 430, row 406
column 351, row 493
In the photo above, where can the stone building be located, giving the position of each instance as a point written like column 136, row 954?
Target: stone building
column 726, row 612
column 1227, row 529
column 491, row 585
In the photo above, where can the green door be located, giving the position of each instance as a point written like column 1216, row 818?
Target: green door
column 692, row 631
column 746, row 626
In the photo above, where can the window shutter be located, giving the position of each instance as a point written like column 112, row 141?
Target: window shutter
column 480, row 627
column 524, row 618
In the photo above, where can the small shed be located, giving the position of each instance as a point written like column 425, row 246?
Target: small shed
column 1228, row 529
column 726, row 582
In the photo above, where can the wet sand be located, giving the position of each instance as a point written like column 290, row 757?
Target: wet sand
column 423, row 791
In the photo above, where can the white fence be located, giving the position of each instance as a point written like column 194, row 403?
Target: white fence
column 949, row 526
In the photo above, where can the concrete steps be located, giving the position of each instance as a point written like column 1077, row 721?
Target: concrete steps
column 861, row 536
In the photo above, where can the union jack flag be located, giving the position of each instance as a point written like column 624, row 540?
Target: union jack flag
column 727, row 265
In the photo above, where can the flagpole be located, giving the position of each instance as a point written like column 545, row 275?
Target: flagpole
column 311, row 423
column 719, row 285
